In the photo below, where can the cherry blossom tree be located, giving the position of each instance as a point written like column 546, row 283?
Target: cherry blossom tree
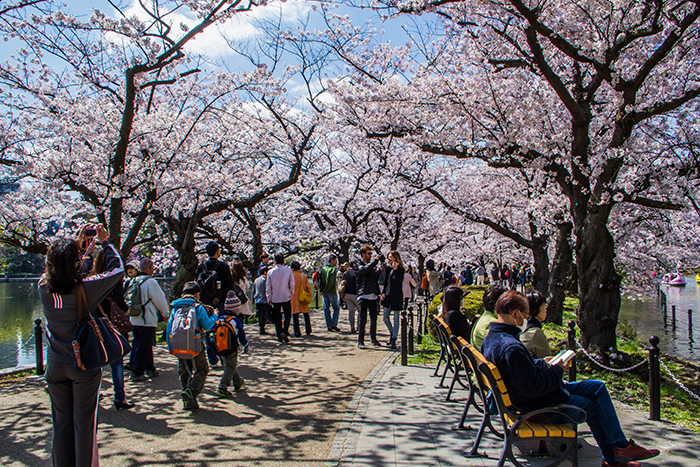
column 589, row 94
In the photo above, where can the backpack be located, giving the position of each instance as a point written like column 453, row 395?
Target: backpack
column 132, row 296
column 225, row 336
column 183, row 341
column 315, row 280
column 209, row 283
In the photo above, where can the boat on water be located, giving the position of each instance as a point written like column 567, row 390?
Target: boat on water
column 697, row 278
column 675, row 279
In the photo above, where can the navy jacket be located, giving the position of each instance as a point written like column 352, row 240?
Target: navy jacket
column 532, row 384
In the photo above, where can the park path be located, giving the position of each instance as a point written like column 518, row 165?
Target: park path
column 297, row 395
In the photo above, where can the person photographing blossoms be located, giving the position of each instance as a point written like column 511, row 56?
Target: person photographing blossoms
column 74, row 393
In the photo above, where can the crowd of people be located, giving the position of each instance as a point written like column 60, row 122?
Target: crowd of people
column 508, row 332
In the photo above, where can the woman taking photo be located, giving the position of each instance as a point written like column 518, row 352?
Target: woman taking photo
column 392, row 298
column 73, row 393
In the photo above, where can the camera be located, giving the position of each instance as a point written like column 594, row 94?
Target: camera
column 380, row 258
column 90, row 231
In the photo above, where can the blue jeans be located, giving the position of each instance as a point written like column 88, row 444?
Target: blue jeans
column 328, row 300
column 593, row 397
column 118, row 380
column 393, row 330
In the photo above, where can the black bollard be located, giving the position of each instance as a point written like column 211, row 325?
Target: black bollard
column 410, row 330
column 419, row 334
column 404, row 331
column 317, row 298
column 39, row 347
column 654, row 380
column 572, row 346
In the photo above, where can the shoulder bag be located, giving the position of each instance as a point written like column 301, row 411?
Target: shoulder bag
column 96, row 342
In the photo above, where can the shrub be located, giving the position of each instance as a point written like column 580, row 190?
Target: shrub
column 473, row 305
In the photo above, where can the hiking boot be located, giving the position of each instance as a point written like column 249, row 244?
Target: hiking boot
column 361, row 346
column 622, row 464
column 634, row 452
column 188, row 400
column 239, row 388
column 137, row 379
column 392, row 345
column 224, row 393
column 152, row 374
column 376, row 342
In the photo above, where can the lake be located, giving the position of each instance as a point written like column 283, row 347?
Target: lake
column 19, row 307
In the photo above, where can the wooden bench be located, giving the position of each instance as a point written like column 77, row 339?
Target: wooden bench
column 453, row 362
column 562, row 435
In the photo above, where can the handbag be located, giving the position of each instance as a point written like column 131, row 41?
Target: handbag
column 305, row 296
column 96, row 342
column 240, row 294
column 119, row 319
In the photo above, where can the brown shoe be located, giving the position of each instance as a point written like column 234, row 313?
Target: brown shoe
column 634, row 452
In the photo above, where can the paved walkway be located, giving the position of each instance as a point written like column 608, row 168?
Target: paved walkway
column 398, row 418
column 317, row 401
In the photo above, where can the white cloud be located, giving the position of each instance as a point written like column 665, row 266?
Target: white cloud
column 212, row 42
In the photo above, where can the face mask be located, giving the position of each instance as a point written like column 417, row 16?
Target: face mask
column 523, row 326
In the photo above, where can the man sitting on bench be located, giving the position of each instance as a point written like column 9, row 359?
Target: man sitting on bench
column 533, row 384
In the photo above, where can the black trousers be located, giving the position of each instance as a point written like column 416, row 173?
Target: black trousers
column 263, row 312
column 145, row 339
column 373, row 307
column 297, row 327
column 282, row 328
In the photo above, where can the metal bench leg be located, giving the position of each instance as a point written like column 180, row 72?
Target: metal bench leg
column 448, row 366
column 440, row 359
column 463, row 418
column 455, row 378
column 474, row 451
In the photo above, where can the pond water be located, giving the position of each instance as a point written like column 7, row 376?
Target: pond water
column 20, row 306
column 677, row 337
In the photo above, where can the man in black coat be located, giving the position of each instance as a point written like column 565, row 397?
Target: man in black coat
column 367, row 293
column 224, row 284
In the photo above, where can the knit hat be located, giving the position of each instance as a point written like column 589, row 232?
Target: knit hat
column 134, row 264
column 232, row 303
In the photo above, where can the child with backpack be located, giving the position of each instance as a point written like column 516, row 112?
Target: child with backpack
column 185, row 330
column 229, row 336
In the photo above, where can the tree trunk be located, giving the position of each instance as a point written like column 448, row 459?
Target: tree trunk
column 559, row 274
column 540, row 257
column 599, row 284
column 186, row 271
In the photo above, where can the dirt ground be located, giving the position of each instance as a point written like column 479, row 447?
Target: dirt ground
column 296, row 396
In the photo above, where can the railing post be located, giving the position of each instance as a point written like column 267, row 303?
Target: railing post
column 419, row 334
column 572, row 346
column 404, row 347
column 673, row 315
column 410, row 330
column 654, row 380
column 39, row 347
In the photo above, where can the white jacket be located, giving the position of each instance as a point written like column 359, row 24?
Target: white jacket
column 150, row 290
